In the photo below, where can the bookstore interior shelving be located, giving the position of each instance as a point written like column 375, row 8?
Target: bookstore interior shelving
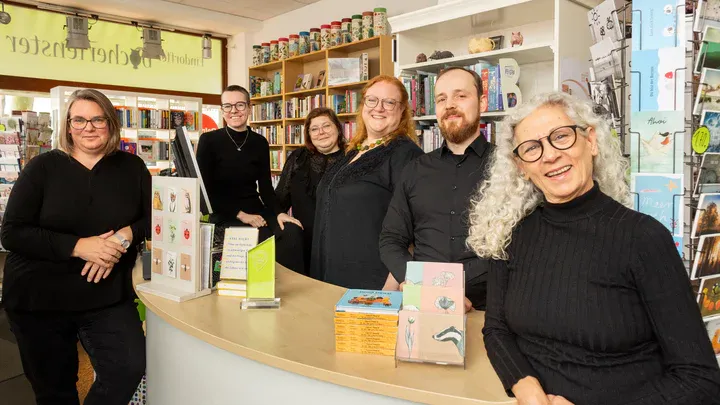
column 148, row 122
column 537, row 34
column 280, row 117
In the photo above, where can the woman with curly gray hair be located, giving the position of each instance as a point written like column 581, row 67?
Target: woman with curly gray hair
column 588, row 300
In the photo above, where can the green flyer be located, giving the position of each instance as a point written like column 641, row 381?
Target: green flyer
column 261, row 270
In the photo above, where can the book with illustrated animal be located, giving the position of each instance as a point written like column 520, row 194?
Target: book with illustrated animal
column 431, row 325
column 656, row 141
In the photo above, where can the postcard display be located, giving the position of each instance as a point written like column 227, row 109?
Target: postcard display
column 705, row 190
column 176, row 248
column 431, row 323
column 657, row 112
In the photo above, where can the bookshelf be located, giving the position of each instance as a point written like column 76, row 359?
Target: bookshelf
column 289, row 128
column 147, row 121
column 554, row 53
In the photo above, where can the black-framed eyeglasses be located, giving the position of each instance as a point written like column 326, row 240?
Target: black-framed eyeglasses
column 561, row 138
column 81, row 123
column 387, row 103
column 326, row 128
column 240, row 106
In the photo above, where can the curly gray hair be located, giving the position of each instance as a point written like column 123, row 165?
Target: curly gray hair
column 506, row 197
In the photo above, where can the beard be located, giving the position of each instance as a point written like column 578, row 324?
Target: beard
column 458, row 133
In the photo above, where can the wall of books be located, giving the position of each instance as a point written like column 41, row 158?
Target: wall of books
column 148, row 122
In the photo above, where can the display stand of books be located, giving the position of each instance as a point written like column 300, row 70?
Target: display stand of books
column 237, row 241
column 176, row 273
column 366, row 322
column 431, row 327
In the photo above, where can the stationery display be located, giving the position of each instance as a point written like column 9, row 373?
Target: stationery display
column 177, row 271
column 366, row 322
column 431, row 325
column 261, row 276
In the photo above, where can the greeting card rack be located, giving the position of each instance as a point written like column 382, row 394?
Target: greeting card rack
column 693, row 159
column 619, row 82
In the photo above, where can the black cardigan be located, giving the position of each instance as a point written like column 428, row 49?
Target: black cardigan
column 352, row 202
column 56, row 201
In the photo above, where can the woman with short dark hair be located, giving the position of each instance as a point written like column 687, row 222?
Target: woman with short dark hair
column 72, row 225
column 324, row 145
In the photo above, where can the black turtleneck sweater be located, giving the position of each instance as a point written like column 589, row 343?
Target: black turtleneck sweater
column 595, row 303
column 232, row 178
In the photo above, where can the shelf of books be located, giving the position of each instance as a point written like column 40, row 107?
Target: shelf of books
column 283, row 92
column 147, row 121
column 526, row 50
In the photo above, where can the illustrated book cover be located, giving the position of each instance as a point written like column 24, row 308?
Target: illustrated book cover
column 370, row 301
column 655, row 24
column 658, row 80
column 656, row 141
column 660, row 196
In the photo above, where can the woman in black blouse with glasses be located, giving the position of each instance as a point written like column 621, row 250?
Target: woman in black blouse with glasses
column 235, row 165
column 305, row 167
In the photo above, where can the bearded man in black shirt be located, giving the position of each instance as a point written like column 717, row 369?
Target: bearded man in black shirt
column 429, row 207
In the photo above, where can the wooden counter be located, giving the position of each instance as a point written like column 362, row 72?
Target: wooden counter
column 299, row 338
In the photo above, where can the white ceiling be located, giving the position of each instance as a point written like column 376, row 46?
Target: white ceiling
column 216, row 16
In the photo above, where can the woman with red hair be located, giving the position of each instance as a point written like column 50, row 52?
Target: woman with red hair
column 353, row 196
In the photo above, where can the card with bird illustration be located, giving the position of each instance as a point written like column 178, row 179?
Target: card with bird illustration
column 656, row 144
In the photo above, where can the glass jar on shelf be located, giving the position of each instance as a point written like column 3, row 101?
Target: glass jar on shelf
column 314, row 39
column 367, row 25
column 335, row 29
column 274, row 51
column 266, row 52
column 283, row 48
column 346, row 30
column 356, row 28
column 257, row 55
column 304, row 43
column 325, row 36
column 380, row 26
column 294, row 45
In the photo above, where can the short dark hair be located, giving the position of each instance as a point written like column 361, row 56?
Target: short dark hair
column 320, row 112
column 476, row 78
column 241, row 89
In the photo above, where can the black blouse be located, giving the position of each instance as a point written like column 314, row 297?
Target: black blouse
column 299, row 180
column 55, row 202
column 232, row 178
column 352, row 202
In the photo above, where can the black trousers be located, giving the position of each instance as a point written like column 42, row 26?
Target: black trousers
column 289, row 250
column 112, row 337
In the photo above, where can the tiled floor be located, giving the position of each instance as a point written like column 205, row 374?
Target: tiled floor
column 14, row 387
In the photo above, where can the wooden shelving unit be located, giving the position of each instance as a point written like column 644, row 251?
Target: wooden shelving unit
column 379, row 50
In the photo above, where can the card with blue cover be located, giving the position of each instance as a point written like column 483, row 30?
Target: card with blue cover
column 658, row 80
column 661, row 197
column 655, row 24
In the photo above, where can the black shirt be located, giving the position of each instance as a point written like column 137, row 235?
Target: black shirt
column 56, row 201
column 429, row 210
column 232, row 178
column 596, row 304
column 351, row 204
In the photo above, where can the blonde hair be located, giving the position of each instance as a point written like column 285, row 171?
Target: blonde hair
column 506, row 197
column 406, row 127
column 113, row 123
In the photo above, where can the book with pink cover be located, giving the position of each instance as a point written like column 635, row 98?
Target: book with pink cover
column 431, row 325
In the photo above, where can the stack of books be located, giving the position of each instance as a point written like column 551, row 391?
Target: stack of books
column 232, row 288
column 366, row 322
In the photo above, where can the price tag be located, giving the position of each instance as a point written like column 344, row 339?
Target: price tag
column 701, row 140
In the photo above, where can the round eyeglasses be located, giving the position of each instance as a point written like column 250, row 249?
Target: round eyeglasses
column 561, row 138
column 326, row 128
column 387, row 103
column 240, row 106
column 81, row 123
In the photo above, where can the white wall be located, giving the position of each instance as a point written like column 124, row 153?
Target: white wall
column 313, row 15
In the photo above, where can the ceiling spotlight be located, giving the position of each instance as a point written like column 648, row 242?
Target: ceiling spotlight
column 152, row 44
column 4, row 16
column 206, row 47
column 77, row 32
